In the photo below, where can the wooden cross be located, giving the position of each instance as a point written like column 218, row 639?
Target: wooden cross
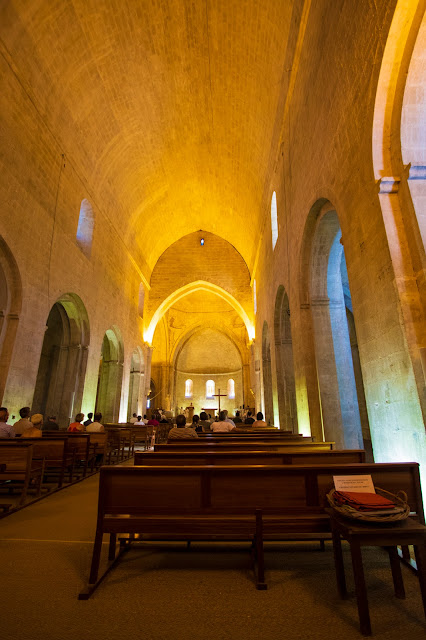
column 219, row 396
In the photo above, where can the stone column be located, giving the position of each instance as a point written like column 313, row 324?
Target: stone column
column 327, row 372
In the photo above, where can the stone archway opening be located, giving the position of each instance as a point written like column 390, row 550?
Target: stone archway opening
column 329, row 297
column 10, row 308
column 110, row 378
column 63, row 359
column 136, row 384
column 267, row 375
column 284, row 363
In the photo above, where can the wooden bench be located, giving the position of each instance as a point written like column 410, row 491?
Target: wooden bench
column 248, row 457
column 251, row 437
column 20, row 467
column 79, row 445
column 257, row 445
column 57, row 453
column 229, row 502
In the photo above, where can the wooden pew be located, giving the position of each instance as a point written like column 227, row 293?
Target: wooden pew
column 20, row 466
column 249, row 457
column 257, row 445
column 242, row 437
column 229, row 502
column 79, row 445
column 57, row 453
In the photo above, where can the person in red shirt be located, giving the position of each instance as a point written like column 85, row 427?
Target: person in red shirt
column 77, row 426
column 154, row 420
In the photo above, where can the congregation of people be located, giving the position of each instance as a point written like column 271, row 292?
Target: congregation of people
column 31, row 426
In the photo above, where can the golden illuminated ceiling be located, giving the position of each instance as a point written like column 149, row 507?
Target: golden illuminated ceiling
column 167, row 108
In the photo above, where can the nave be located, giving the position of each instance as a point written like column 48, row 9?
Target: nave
column 165, row 591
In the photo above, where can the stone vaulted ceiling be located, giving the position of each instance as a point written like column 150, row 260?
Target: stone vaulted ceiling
column 166, row 107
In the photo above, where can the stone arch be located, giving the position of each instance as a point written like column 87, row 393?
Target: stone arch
column 136, row 384
column 63, row 360
column 399, row 152
column 326, row 298
column 413, row 130
column 108, row 397
column 267, row 375
column 284, row 363
column 199, row 285
column 10, row 309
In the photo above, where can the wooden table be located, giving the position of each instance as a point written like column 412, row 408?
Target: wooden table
column 389, row 535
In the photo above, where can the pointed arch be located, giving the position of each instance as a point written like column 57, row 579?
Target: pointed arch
column 199, row 285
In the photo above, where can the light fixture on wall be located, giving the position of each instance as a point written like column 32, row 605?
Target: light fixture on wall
column 202, row 242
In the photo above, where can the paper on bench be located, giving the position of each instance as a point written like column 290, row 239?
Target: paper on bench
column 361, row 484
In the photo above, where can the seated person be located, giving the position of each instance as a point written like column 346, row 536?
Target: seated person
column 181, row 431
column 225, row 411
column 96, row 426
column 196, row 424
column 89, row 420
column 34, row 431
column 155, row 420
column 237, row 418
column 260, row 421
column 6, row 430
column 50, row 424
column 134, row 419
column 77, row 426
column 139, row 421
column 223, row 425
column 204, row 422
column 24, row 423
column 249, row 419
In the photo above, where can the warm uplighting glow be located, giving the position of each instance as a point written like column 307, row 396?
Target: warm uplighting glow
column 199, row 285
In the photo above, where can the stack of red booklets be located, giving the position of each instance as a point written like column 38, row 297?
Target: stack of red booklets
column 363, row 501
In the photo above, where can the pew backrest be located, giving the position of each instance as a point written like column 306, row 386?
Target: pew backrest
column 279, row 490
column 258, row 445
column 249, row 457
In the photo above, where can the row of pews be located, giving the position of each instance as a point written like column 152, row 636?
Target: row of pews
column 37, row 466
column 245, row 486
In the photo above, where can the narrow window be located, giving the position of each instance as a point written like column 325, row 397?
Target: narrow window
column 141, row 299
column 188, row 388
column 254, row 297
column 86, row 223
column 274, row 220
column 210, row 388
column 231, row 388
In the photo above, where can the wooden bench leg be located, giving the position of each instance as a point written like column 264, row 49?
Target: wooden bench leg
column 339, row 566
column 260, row 584
column 360, row 589
column 97, row 548
column 395, row 563
column 112, row 544
column 420, row 552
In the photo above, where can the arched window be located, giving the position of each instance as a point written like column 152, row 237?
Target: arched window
column 231, row 388
column 188, row 388
column 210, row 388
column 141, row 299
column 86, row 223
column 274, row 220
column 254, row 297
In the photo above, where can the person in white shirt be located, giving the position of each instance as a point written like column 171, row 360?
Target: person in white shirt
column 225, row 411
column 223, row 425
column 24, row 423
column 133, row 419
column 139, row 421
column 96, row 426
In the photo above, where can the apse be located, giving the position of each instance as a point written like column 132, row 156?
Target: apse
column 209, row 363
